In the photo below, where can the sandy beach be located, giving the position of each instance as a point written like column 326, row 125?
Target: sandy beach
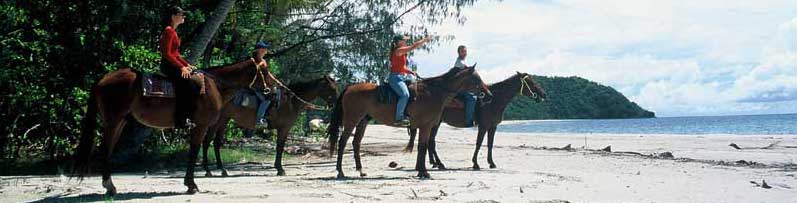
column 702, row 168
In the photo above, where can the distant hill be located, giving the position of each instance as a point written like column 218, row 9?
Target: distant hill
column 574, row 98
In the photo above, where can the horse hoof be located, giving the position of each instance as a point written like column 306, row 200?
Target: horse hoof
column 424, row 175
column 476, row 167
column 363, row 174
column 192, row 190
column 341, row 176
column 441, row 167
column 110, row 192
column 224, row 173
column 492, row 166
column 208, row 174
column 110, row 189
column 280, row 173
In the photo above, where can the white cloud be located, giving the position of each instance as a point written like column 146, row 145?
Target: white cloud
column 674, row 57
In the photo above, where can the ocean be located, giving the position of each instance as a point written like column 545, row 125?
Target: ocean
column 776, row 124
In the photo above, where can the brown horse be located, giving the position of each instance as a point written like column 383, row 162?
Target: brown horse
column 487, row 116
column 281, row 119
column 119, row 93
column 431, row 94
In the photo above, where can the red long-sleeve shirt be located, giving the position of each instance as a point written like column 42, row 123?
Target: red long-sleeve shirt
column 170, row 48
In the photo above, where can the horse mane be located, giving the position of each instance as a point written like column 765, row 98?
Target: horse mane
column 227, row 67
column 300, row 87
column 442, row 78
column 504, row 84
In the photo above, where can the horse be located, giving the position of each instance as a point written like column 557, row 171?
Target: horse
column 488, row 116
column 281, row 119
column 360, row 100
column 120, row 93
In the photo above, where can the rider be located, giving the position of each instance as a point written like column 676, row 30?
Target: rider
column 177, row 69
column 466, row 97
column 261, row 49
column 399, row 73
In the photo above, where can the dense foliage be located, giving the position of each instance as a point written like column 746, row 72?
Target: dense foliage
column 53, row 51
column 574, row 98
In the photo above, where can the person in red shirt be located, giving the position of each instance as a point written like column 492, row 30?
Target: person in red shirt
column 399, row 73
column 176, row 68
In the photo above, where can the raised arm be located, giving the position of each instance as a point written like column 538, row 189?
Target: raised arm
column 407, row 49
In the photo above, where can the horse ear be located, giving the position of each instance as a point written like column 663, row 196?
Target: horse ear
column 474, row 65
column 518, row 72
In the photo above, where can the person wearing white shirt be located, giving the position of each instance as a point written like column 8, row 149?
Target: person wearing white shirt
column 466, row 97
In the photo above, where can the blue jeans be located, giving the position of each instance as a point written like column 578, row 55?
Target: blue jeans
column 396, row 82
column 470, row 106
column 263, row 106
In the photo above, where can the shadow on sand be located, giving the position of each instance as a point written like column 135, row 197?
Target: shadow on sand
column 102, row 197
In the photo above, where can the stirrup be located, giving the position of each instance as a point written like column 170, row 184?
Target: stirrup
column 402, row 123
column 262, row 124
column 188, row 125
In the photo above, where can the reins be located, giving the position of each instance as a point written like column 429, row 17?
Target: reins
column 267, row 90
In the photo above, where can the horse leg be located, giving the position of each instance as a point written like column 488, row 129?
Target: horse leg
column 282, row 136
column 217, row 143
column 490, row 138
column 433, row 149
column 205, row 146
column 197, row 136
column 344, row 138
column 411, row 132
column 359, row 132
column 423, row 142
column 113, row 128
column 479, row 141
column 430, row 148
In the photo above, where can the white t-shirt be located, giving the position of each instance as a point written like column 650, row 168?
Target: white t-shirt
column 460, row 63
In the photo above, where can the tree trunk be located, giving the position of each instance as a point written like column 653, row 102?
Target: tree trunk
column 197, row 47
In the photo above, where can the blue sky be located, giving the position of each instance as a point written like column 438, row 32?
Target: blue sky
column 677, row 58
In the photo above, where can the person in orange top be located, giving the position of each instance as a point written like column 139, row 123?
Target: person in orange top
column 399, row 73
column 176, row 68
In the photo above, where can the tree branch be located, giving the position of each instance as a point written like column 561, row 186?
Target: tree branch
column 303, row 42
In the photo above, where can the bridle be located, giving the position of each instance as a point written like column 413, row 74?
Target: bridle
column 259, row 73
column 266, row 90
column 525, row 85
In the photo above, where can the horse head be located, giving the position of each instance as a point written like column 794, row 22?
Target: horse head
column 329, row 90
column 531, row 88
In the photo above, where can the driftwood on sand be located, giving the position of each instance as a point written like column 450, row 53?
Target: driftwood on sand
column 770, row 146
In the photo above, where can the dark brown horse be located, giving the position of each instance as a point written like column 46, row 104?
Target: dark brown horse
column 281, row 119
column 487, row 116
column 431, row 94
column 119, row 93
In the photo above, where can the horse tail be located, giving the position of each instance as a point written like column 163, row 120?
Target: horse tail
column 411, row 144
column 335, row 121
column 87, row 134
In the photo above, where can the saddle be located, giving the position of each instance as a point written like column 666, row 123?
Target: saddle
column 157, row 85
column 386, row 95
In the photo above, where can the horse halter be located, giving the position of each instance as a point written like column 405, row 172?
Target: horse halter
column 267, row 90
column 525, row 85
column 258, row 71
